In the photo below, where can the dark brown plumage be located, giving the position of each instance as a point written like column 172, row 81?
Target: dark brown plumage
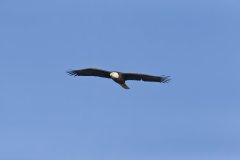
column 118, row 77
column 90, row 72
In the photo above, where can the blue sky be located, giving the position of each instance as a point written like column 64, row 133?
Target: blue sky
column 46, row 114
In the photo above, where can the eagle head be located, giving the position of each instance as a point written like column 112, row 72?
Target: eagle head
column 114, row 75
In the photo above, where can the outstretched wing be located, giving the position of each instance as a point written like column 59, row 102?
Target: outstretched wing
column 144, row 77
column 90, row 72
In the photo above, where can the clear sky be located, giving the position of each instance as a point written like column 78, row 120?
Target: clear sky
column 46, row 114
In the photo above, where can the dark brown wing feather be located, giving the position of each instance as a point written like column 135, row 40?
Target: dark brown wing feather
column 90, row 72
column 144, row 77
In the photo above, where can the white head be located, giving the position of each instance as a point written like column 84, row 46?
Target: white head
column 114, row 75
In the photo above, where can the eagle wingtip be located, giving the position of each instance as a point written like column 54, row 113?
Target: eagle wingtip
column 71, row 73
column 165, row 79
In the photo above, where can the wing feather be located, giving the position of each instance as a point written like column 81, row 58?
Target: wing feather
column 145, row 77
column 90, row 72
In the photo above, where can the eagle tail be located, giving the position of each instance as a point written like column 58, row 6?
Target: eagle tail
column 124, row 86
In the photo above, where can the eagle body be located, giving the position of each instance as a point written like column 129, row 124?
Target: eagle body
column 118, row 77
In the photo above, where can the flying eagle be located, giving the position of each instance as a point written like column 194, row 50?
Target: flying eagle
column 118, row 77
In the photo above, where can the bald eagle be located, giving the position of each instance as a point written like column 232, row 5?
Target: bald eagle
column 118, row 77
